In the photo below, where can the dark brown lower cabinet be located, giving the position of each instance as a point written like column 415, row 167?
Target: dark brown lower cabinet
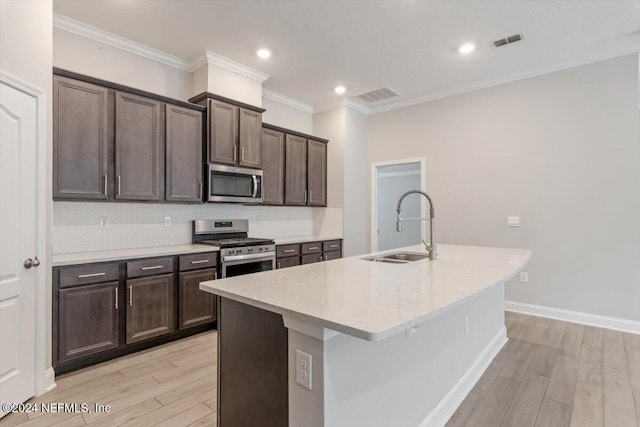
column 196, row 306
column 328, row 256
column 288, row 262
column 88, row 320
column 150, row 309
column 310, row 259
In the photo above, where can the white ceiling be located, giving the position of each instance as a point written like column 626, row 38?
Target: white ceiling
column 364, row 45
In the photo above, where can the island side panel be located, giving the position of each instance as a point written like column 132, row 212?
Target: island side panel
column 252, row 366
column 400, row 380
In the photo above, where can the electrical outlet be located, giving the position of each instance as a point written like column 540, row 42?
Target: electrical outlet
column 524, row 277
column 167, row 221
column 513, row 221
column 103, row 222
column 466, row 324
column 303, row 369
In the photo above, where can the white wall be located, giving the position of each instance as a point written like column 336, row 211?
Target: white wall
column 559, row 150
column 235, row 86
column 86, row 56
column 26, row 53
column 282, row 115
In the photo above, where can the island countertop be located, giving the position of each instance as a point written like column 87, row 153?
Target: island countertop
column 373, row 300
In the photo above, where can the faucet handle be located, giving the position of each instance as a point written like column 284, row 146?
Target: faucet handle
column 427, row 246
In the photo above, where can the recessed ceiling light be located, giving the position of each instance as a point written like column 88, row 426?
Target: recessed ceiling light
column 264, row 53
column 467, row 48
column 340, row 89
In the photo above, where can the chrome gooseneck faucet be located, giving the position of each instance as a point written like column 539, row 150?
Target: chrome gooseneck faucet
column 430, row 247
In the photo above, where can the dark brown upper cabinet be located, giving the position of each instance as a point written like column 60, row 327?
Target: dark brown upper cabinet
column 109, row 143
column 223, row 132
column 250, row 139
column 316, row 173
column 139, row 148
column 272, row 167
column 81, row 140
column 235, row 131
column 295, row 187
column 183, row 173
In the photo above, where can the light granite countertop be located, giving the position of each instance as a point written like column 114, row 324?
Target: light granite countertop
column 372, row 300
column 301, row 239
column 121, row 254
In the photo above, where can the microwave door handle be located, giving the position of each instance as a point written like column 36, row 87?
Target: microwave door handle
column 255, row 186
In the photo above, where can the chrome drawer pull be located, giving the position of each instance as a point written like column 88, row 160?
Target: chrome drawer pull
column 130, row 295
column 313, row 248
column 288, row 251
column 333, row 246
column 84, row 276
column 202, row 261
column 116, row 289
column 153, row 267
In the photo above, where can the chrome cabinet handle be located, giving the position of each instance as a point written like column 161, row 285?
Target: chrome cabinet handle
column 200, row 261
column 28, row 263
column 106, row 184
column 153, row 267
column 305, row 197
column 130, row 295
column 255, row 185
column 84, row 276
column 235, row 153
column 119, row 185
column 278, row 264
column 333, row 246
column 116, row 289
column 313, row 248
column 242, row 154
column 288, row 251
column 200, row 189
column 310, row 194
column 215, row 275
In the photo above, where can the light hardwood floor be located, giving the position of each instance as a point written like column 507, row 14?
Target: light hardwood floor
column 550, row 374
column 557, row 374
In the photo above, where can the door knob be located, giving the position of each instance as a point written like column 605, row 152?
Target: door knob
column 28, row 263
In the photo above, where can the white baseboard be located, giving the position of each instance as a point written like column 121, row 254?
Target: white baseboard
column 48, row 382
column 443, row 411
column 575, row 317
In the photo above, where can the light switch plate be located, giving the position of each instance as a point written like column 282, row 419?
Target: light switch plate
column 513, row 221
column 167, row 221
column 103, row 222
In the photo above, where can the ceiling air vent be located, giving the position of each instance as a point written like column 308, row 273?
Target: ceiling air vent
column 508, row 40
column 378, row 95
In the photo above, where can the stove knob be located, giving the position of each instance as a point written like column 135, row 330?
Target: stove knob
column 250, row 249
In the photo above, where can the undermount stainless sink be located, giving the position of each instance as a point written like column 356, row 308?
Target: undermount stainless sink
column 398, row 257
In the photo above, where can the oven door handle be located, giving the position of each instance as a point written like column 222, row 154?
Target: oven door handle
column 264, row 256
column 255, row 186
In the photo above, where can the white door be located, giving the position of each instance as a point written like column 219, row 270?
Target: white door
column 18, row 213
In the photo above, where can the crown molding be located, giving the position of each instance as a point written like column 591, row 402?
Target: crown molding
column 345, row 103
column 208, row 57
column 285, row 100
column 504, row 79
column 71, row 25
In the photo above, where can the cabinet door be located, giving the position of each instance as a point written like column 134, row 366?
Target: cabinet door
column 183, row 179
column 295, row 176
column 150, row 310
column 81, row 137
column 139, row 148
column 223, row 132
column 196, row 306
column 87, row 320
column 317, row 173
column 328, row 256
column 310, row 259
column 272, row 167
column 250, row 139
column 291, row 261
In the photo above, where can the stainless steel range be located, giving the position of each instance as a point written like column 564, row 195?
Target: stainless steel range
column 239, row 254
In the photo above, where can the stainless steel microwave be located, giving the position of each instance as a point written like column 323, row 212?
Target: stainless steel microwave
column 233, row 184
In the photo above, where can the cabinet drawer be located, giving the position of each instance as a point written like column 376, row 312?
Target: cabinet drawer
column 311, row 248
column 328, row 256
column 86, row 274
column 197, row 261
column 287, row 250
column 332, row 245
column 291, row 261
column 309, row 259
column 149, row 267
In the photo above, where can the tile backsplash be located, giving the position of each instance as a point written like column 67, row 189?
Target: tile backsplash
column 76, row 225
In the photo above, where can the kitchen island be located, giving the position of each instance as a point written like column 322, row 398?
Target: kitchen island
column 390, row 344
